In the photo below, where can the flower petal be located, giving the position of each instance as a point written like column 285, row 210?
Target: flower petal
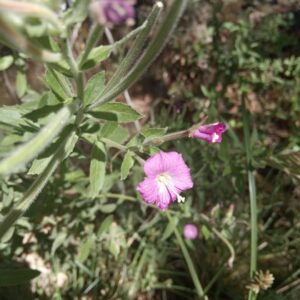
column 161, row 163
column 149, row 190
column 164, row 198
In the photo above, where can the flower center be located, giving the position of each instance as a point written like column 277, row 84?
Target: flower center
column 215, row 137
column 165, row 181
column 119, row 9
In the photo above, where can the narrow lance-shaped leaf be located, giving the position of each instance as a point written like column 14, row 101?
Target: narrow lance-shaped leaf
column 26, row 152
column 59, row 84
column 97, row 169
column 94, row 88
column 33, row 191
column 96, row 55
column 127, row 164
column 136, row 48
column 156, row 45
column 42, row 161
column 59, row 240
column 116, row 112
column 85, row 249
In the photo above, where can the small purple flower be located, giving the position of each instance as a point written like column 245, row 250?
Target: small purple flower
column 190, row 231
column 167, row 176
column 113, row 12
column 211, row 133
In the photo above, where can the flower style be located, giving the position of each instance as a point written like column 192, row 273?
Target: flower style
column 167, row 176
column 211, row 133
column 113, row 12
column 190, row 231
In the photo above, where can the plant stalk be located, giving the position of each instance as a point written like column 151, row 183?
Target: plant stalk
column 187, row 257
column 32, row 193
column 252, row 193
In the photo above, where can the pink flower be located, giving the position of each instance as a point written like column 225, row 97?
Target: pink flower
column 211, row 133
column 110, row 12
column 190, row 231
column 167, row 176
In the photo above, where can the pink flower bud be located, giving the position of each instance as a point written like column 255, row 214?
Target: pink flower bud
column 112, row 12
column 211, row 133
column 190, row 231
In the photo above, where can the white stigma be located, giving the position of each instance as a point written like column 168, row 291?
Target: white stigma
column 164, row 180
column 215, row 137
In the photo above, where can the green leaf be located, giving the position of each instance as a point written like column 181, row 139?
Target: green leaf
column 97, row 169
column 21, row 84
column 42, row 112
column 149, row 54
column 117, row 112
column 29, row 150
column 96, row 55
column 127, row 164
column 59, row 85
column 151, row 133
column 59, row 240
column 31, row 194
column 42, row 161
column 108, row 208
column 119, row 135
column 105, row 225
column 6, row 62
column 117, row 239
column 108, row 129
column 168, row 231
column 11, row 115
column 94, row 88
column 206, row 232
column 39, row 165
column 9, row 277
column 77, row 12
column 85, row 249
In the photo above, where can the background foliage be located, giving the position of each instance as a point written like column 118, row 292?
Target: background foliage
column 236, row 61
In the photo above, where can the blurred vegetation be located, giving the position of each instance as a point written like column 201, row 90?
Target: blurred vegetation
column 226, row 59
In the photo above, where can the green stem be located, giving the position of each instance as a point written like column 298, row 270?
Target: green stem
column 70, row 57
column 29, row 150
column 117, row 196
column 31, row 193
column 168, row 137
column 135, row 49
column 77, row 74
column 156, row 45
column 215, row 277
column 252, row 192
column 113, row 144
column 187, row 257
column 93, row 38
